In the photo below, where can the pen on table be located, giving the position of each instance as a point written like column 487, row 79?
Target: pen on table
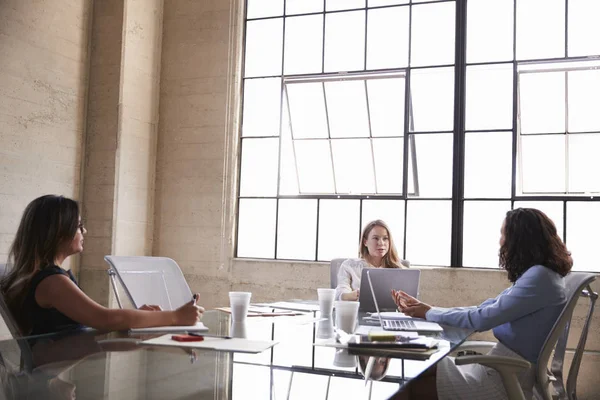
column 209, row 335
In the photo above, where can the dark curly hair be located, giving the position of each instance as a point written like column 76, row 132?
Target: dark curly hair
column 530, row 238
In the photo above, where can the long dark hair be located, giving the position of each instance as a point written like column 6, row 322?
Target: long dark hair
column 530, row 238
column 47, row 223
column 391, row 259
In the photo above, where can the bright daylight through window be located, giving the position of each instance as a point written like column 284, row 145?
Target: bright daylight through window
column 435, row 116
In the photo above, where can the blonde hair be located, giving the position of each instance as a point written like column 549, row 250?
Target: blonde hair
column 391, row 259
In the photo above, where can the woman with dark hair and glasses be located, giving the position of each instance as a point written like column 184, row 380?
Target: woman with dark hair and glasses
column 45, row 298
column 521, row 317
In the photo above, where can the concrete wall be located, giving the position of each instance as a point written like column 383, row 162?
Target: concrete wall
column 43, row 74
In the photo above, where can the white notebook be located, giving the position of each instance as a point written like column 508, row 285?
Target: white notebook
column 213, row 343
column 199, row 327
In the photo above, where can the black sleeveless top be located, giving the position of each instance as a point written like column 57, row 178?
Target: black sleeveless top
column 47, row 320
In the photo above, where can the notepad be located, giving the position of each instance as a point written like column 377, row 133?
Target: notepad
column 199, row 327
column 211, row 343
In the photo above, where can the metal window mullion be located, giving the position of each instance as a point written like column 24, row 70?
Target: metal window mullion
column 329, row 138
column 287, row 99
column 317, row 230
column 371, row 137
column 517, row 154
column 567, row 182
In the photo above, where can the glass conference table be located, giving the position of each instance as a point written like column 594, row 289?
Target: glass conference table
column 93, row 365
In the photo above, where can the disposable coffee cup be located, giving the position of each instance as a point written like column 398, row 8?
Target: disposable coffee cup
column 325, row 329
column 239, row 303
column 238, row 330
column 346, row 313
column 326, row 297
column 343, row 359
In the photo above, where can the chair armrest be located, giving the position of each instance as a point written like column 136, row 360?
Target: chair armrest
column 507, row 367
column 476, row 346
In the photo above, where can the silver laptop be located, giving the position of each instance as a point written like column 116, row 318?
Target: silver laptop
column 402, row 324
column 383, row 280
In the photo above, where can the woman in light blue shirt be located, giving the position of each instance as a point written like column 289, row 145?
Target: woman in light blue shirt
column 521, row 317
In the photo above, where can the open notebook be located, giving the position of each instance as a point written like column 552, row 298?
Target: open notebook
column 199, row 327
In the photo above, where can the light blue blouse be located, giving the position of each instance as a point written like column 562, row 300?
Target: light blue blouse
column 521, row 316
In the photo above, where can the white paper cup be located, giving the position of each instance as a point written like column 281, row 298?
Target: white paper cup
column 325, row 329
column 239, row 303
column 346, row 313
column 326, row 297
column 343, row 359
column 238, row 330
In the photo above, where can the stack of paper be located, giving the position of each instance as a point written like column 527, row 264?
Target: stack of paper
column 199, row 327
column 215, row 343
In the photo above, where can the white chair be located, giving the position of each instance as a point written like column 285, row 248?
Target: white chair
column 149, row 280
column 546, row 381
column 334, row 268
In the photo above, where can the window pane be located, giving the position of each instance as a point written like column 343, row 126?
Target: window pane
column 543, row 160
column 433, row 34
column 262, row 98
column 540, row 29
column 377, row 3
column 314, row 166
column 584, row 101
column 386, row 106
column 388, row 164
column 303, row 6
column 584, row 29
column 345, row 41
column 482, row 224
column 553, row 209
column 307, row 110
column 288, row 172
column 297, row 230
column 303, row 44
column 488, row 164
column 389, row 211
column 303, row 386
column 264, row 8
column 542, row 102
column 433, row 154
column 489, row 95
column 332, row 5
column 432, row 95
column 264, row 39
column 250, row 378
column 259, row 167
column 353, row 166
column 428, row 231
column 489, row 30
column 338, row 229
column 584, row 163
column 582, row 240
column 347, row 108
column 256, row 228
column 387, row 38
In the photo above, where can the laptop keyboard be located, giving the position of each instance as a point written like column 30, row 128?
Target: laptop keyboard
column 399, row 325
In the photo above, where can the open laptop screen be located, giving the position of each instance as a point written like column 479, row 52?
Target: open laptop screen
column 384, row 280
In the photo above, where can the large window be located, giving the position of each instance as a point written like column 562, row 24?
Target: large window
column 435, row 116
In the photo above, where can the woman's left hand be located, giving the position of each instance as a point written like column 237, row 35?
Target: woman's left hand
column 409, row 305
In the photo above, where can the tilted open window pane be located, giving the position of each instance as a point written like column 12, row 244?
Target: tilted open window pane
column 256, row 228
column 307, row 110
column 433, row 166
column 387, row 38
column 303, row 44
column 264, row 40
column 392, row 213
column 489, row 30
column 553, row 209
column 345, row 41
column 353, row 166
column 489, row 97
column 488, row 164
column 542, row 102
column 339, row 227
column 582, row 241
column 297, row 229
column 388, row 154
column 584, row 29
column 259, row 167
column 424, row 245
column 540, row 29
column 433, row 34
column 432, row 94
column 543, row 164
column 386, row 106
column 347, row 108
column 584, row 163
column 584, row 100
column 262, row 98
column 314, row 166
column 481, row 240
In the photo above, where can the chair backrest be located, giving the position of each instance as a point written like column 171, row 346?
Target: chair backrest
column 336, row 263
column 575, row 284
column 151, row 280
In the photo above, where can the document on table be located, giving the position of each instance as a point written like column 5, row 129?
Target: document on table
column 214, row 343
column 291, row 305
column 199, row 327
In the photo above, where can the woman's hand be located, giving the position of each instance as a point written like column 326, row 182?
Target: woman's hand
column 351, row 296
column 189, row 313
column 409, row 305
column 150, row 307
